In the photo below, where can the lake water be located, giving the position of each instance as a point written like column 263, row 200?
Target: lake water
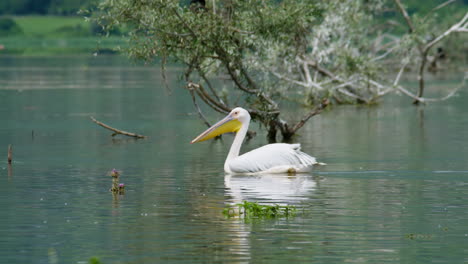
column 395, row 189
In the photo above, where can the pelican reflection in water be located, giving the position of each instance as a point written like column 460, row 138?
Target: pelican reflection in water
column 271, row 158
column 270, row 188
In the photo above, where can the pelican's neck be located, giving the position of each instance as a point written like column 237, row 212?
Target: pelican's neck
column 236, row 144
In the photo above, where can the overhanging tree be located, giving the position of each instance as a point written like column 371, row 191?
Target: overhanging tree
column 309, row 52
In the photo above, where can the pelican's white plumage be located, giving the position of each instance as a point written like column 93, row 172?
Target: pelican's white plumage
column 271, row 158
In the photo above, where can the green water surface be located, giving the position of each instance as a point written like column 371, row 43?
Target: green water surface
column 395, row 189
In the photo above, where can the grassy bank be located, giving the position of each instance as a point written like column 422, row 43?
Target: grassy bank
column 56, row 35
column 41, row 26
column 32, row 46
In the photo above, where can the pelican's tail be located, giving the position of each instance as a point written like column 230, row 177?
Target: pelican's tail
column 305, row 158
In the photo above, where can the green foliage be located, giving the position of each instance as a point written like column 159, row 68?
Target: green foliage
column 59, row 26
column 259, row 44
column 51, row 46
column 70, row 31
column 46, row 26
column 272, row 51
column 228, row 38
column 94, row 260
column 43, row 7
column 251, row 210
column 54, row 35
column 21, row 7
column 8, row 27
column 69, row 7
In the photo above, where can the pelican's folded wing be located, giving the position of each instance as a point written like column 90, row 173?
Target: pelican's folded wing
column 278, row 157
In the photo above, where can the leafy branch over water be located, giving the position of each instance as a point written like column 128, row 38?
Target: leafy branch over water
column 275, row 53
column 250, row 210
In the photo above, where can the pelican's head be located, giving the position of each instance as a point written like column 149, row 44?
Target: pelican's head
column 231, row 123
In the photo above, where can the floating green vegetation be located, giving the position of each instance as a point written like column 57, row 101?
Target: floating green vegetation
column 413, row 236
column 94, row 260
column 250, row 210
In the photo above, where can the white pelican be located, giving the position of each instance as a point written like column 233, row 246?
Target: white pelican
column 271, row 158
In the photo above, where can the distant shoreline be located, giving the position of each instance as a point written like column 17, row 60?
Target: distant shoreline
column 55, row 35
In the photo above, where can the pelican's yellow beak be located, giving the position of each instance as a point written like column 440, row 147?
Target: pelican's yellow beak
column 227, row 124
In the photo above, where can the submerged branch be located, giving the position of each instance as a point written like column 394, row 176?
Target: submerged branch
column 424, row 48
column 117, row 131
column 457, row 27
column 352, row 95
column 452, row 93
column 423, row 99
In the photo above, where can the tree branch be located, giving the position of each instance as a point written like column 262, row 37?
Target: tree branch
column 446, row 3
column 247, row 77
column 405, row 15
column 423, row 100
column 200, row 114
column 462, row 24
column 335, row 78
column 408, row 93
column 207, row 98
column 457, row 27
column 213, row 91
column 117, row 131
column 352, row 95
column 400, row 73
column 386, row 53
column 312, row 113
column 282, row 77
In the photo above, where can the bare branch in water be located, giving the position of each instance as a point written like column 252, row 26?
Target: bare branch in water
column 424, row 48
column 10, row 154
column 117, row 131
column 423, row 99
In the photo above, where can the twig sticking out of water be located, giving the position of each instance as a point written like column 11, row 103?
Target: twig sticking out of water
column 10, row 154
column 117, row 131
column 10, row 159
column 117, row 188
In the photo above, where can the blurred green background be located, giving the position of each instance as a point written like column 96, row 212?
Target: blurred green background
column 56, row 27
column 53, row 27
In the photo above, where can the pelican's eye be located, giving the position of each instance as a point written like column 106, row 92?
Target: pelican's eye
column 236, row 112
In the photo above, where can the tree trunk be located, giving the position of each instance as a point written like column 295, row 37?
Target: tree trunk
column 272, row 128
column 421, row 75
